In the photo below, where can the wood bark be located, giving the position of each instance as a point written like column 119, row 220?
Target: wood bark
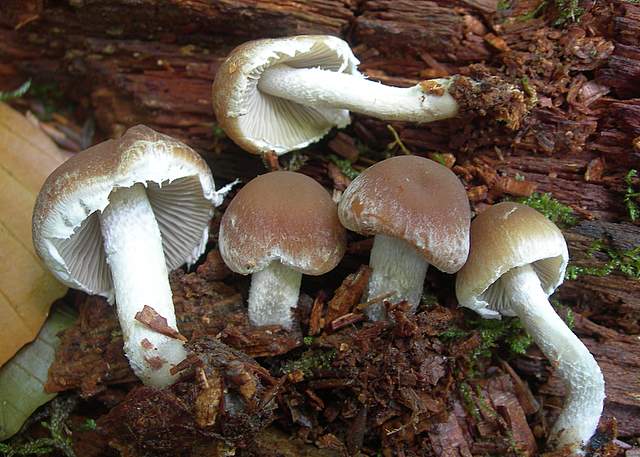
column 153, row 62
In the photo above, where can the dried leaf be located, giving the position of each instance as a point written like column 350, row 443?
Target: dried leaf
column 28, row 289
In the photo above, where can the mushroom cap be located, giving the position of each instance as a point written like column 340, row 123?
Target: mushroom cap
column 414, row 199
column 505, row 236
column 259, row 122
column 283, row 216
column 66, row 227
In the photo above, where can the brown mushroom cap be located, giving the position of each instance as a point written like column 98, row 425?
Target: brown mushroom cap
column 505, row 236
column 414, row 199
column 282, row 216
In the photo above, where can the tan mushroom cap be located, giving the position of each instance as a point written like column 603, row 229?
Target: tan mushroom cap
column 66, row 228
column 414, row 199
column 505, row 236
column 259, row 122
column 282, row 216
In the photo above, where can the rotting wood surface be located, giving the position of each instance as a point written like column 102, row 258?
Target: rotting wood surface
column 153, row 62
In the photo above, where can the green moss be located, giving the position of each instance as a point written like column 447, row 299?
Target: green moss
column 503, row 5
column 309, row 361
column 466, row 394
column 631, row 194
column 296, row 161
column 218, row 132
column 88, row 425
column 626, row 262
column 506, row 333
column 534, row 13
column 60, row 437
column 568, row 11
column 307, row 340
column 557, row 212
column 438, row 157
column 345, row 166
column 17, row 93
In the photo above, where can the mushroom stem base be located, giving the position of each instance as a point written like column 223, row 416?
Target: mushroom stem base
column 133, row 246
column 573, row 362
column 274, row 292
column 331, row 89
column 397, row 267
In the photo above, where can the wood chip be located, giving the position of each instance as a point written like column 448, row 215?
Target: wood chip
column 594, row 171
column 344, row 146
column 207, row 402
column 349, row 293
column 497, row 42
column 511, row 186
column 150, row 317
column 346, row 319
column 340, row 181
column 477, row 193
column 315, row 319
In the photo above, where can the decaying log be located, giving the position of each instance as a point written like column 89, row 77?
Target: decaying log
column 153, row 62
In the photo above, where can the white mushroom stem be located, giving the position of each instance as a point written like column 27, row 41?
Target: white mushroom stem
column 274, row 292
column 396, row 267
column 572, row 360
column 133, row 245
column 331, row 89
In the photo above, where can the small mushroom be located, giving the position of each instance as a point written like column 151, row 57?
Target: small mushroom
column 517, row 259
column 279, row 226
column 419, row 213
column 285, row 93
column 114, row 219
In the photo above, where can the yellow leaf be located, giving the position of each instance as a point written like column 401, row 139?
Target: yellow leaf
column 27, row 289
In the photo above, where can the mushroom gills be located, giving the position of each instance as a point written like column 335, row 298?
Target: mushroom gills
column 274, row 292
column 396, row 267
column 573, row 362
column 331, row 89
column 133, row 247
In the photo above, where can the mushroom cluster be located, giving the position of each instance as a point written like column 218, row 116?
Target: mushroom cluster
column 114, row 219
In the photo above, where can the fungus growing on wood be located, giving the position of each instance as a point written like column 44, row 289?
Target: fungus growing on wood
column 114, row 219
column 419, row 213
column 517, row 259
column 279, row 226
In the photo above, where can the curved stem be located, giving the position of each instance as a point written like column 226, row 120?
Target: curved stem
column 133, row 245
column 274, row 292
column 572, row 360
column 330, row 89
column 397, row 267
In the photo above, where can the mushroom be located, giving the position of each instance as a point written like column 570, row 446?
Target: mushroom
column 112, row 221
column 517, row 259
column 419, row 213
column 285, row 93
column 279, row 226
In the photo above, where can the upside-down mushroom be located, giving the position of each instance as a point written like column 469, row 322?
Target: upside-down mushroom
column 282, row 94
